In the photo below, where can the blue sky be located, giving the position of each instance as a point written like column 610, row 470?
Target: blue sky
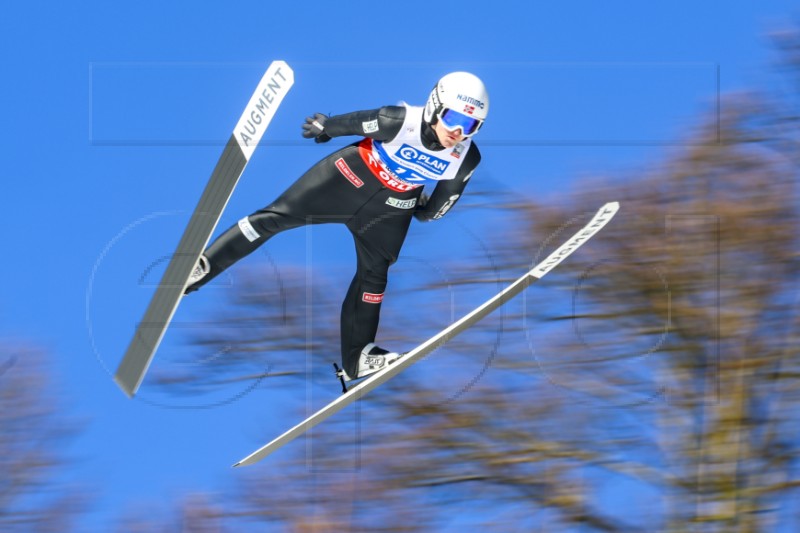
column 116, row 114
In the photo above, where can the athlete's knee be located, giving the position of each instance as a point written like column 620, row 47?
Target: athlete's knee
column 375, row 276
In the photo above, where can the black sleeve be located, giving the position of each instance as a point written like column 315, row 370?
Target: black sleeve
column 447, row 193
column 381, row 124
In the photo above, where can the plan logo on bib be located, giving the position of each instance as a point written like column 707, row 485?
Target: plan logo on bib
column 428, row 162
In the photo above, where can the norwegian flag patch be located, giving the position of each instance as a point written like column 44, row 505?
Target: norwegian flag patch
column 469, row 109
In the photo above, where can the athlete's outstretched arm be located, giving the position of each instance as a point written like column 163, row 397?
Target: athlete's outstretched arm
column 381, row 124
column 447, row 192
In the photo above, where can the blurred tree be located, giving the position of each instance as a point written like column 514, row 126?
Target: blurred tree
column 194, row 513
column 650, row 385
column 33, row 431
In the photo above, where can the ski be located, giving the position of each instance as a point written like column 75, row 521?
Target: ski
column 600, row 219
column 269, row 94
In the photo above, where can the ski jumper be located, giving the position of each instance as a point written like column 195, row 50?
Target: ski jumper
column 373, row 187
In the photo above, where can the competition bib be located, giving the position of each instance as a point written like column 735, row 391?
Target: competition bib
column 408, row 160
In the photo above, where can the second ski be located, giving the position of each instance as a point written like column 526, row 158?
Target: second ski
column 598, row 222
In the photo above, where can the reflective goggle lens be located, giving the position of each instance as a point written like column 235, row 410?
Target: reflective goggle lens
column 453, row 120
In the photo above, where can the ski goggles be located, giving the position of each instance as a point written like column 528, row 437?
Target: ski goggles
column 452, row 120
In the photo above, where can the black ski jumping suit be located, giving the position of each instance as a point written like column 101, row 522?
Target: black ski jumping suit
column 373, row 187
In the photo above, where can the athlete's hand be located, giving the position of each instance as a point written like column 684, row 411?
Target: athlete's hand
column 419, row 211
column 314, row 128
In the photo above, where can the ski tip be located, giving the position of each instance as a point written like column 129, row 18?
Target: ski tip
column 237, row 464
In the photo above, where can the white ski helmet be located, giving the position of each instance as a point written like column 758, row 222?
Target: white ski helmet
column 459, row 100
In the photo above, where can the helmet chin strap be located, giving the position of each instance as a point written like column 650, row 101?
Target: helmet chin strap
column 429, row 138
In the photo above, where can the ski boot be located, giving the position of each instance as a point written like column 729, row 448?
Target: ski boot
column 201, row 270
column 372, row 359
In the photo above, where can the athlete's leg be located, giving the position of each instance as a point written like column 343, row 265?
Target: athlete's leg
column 318, row 196
column 379, row 232
column 362, row 306
column 241, row 239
